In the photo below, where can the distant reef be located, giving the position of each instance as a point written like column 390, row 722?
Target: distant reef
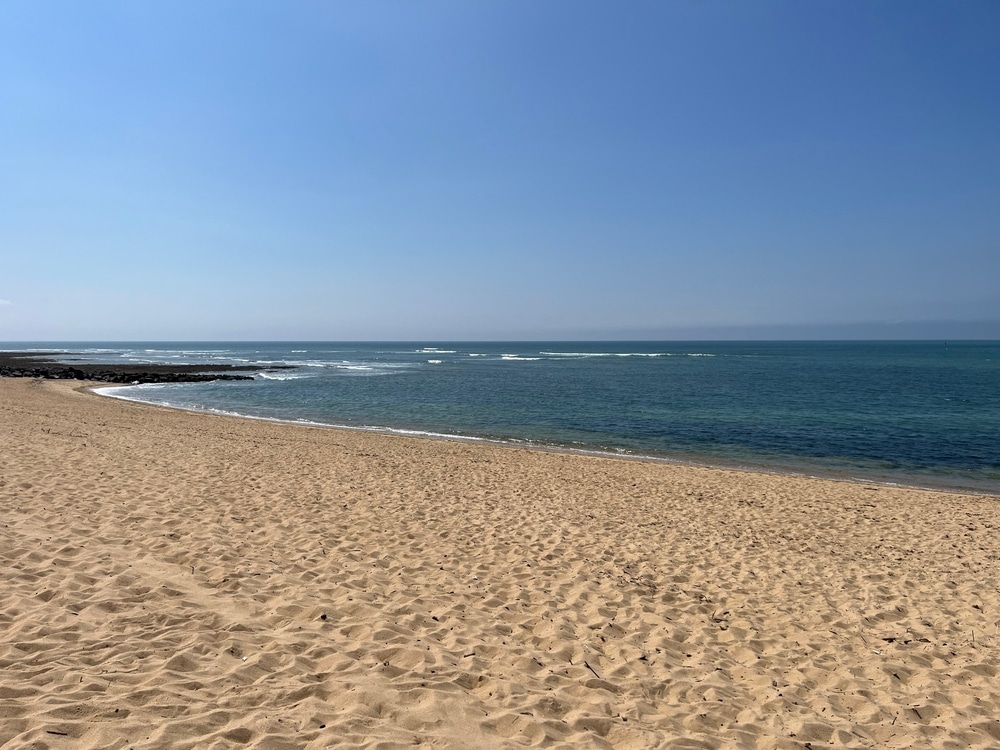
column 48, row 367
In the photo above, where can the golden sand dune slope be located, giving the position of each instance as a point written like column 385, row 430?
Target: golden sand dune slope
column 190, row 581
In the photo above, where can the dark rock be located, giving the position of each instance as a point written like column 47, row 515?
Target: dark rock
column 29, row 365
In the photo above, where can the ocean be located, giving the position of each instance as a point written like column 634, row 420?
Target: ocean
column 914, row 413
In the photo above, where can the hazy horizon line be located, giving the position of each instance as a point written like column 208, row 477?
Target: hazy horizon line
column 985, row 330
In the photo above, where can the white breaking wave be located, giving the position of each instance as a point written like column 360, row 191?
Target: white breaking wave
column 582, row 355
column 282, row 376
column 375, row 369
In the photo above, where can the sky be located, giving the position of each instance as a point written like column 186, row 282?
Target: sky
column 499, row 169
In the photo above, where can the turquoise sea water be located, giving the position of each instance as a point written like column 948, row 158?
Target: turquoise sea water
column 920, row 413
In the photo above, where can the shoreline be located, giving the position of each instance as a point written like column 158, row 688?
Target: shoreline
column 762, row 468
column 180, row 580
column 900, row 464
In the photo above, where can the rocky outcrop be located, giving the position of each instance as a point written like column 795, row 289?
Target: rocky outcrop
column 27, row 365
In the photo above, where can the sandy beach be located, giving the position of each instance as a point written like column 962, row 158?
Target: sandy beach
column 184, row 580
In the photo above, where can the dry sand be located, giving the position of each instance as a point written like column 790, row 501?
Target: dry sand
column 185, row 580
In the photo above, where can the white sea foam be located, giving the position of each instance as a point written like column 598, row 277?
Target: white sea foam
column 115, row 390
column 582, row 355
column 371, row 370
column 119, row 392
column 421, row 433
column 435, row 361
column 282, row 376
column 519, row 358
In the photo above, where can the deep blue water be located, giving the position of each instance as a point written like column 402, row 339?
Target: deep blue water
column 923, row 413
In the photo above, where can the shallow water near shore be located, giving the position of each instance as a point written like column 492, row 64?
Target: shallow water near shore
column 914, row 413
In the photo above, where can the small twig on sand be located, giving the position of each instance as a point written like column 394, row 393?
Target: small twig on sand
column 587, row 665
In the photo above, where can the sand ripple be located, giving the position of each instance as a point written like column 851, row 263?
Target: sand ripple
column 188, row 581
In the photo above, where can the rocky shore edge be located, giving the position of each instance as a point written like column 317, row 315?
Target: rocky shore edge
column 48, row 367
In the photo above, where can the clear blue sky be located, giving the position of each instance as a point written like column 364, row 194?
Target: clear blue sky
column 498, row 169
